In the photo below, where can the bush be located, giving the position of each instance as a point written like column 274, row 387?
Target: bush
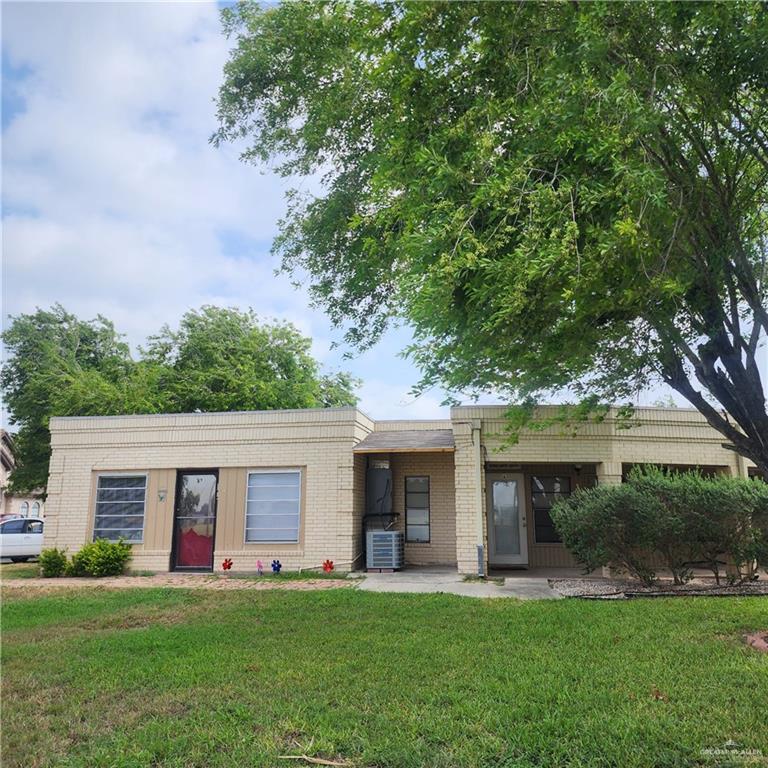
column 53, row 562
column 100, row 558
column 680, row 519
column 610, row 525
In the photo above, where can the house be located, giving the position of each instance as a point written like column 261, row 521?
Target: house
column 188, row 490
column 24, row 505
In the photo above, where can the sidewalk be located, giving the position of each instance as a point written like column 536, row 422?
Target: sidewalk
column 447, row 580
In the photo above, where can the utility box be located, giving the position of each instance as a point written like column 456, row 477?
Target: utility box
column 384, row 550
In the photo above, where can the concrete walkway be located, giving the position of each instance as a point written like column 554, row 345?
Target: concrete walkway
column 436, row 580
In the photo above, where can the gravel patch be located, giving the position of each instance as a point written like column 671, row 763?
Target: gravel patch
column 620, row 589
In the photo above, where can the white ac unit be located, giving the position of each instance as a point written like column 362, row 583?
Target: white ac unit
column 384, row 549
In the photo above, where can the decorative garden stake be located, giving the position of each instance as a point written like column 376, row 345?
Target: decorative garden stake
column 227, row 564
column 259, row 567
column 276, row 566
column 328, row 566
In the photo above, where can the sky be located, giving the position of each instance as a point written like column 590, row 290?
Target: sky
column 115, row 202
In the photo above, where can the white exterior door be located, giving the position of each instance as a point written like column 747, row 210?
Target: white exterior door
column 507, row 531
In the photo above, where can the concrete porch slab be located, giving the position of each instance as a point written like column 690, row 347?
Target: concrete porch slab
column 448, row 581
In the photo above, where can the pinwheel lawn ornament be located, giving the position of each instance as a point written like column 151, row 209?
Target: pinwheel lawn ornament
column 259, row 567
column 227, row 564
column 276, row 566
column 328, row 566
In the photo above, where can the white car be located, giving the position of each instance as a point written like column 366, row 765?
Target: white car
column 21, row 538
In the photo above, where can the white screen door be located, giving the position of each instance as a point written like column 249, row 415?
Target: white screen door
column 507, row 533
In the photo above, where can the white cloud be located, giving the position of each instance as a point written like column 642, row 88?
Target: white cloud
column 385, row 400
column 116, row 202
column 117, row 199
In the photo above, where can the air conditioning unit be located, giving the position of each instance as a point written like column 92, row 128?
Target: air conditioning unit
column 384, row 550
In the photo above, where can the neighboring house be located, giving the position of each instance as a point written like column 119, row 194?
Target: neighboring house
column 191, row 489
column 10, row 504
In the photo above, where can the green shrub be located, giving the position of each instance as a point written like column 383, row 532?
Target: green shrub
column 610, row 525
column 52, row 562
column 100, row 558
column 681, row 519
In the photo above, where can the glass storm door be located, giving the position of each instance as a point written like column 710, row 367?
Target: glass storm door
column 507, row 532
column 195, row 520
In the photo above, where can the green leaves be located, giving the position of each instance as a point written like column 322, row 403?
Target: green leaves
column 217, row 360
column 554, row 195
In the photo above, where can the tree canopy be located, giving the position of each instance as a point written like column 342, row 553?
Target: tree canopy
column 217, row 360
column 554, row 195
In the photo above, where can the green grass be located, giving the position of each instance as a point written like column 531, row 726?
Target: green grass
column 176, row 678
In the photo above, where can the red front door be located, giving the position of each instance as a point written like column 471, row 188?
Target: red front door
column 195, row 520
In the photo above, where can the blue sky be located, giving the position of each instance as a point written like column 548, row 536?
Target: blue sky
column 115, row 202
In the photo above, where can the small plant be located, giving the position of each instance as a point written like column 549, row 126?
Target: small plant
column 328, row 566
column 276, row 566
column 100, row 558
column 53, row 562
column 227, row 564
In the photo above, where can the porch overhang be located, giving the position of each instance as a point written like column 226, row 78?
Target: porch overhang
column 408, row 441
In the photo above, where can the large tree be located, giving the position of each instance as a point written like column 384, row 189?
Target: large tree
column 227, row 360
column 218, row 360
column 555, row 195
column 58, row 365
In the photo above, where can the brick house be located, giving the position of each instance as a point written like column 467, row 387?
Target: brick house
column 189, row 490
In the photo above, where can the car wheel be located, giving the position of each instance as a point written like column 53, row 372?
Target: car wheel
column 19, row 559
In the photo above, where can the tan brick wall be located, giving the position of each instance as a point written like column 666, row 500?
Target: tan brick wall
column 664, row 436
column 438, row 467
column 466, row 484
column 358, row 504
column 320, row 442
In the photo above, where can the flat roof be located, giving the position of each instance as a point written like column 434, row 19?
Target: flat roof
column 407, row 441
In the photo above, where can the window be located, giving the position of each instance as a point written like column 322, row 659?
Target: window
column 120, row 503
column 24, row 509
column 417, row 509
column 13, row 526
column 36, row 509
column 545, row 491
column 273, row 506
column 34, row 526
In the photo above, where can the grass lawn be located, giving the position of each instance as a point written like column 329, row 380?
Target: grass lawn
column 168, row 677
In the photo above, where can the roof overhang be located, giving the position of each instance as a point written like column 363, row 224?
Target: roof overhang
column 408, row 441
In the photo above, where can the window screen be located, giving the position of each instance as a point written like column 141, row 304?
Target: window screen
column 120, row 503
column 417, row 509
column 273, row 507
column 545, row 491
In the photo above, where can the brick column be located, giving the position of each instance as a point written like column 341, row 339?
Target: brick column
column 609, row 473
column 467, row 494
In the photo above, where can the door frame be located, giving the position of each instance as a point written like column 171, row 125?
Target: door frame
column 174, row 541
column 507, row 561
